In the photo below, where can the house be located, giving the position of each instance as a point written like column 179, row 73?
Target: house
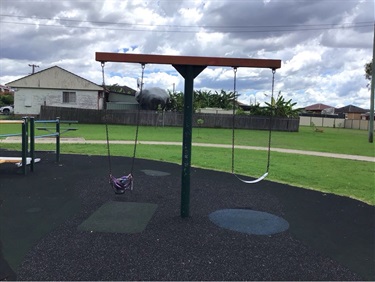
column 366, row 116
column 56, row 87
column 124, row 100
column 351, row 112
column 5, row 90
column 317, row 108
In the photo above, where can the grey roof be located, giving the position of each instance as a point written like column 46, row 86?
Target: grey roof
column 351, row 109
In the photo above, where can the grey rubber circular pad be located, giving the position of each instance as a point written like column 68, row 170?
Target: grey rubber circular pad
column 249, row 221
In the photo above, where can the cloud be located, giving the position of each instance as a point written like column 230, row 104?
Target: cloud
column 323, row 44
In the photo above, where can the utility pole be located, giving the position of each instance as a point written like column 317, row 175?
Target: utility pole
column 33, row 66
column 371, row 121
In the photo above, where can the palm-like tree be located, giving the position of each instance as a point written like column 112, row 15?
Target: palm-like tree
column 281, row 108
column 202, row 99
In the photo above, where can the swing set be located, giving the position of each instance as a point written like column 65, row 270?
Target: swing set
column 189, row 68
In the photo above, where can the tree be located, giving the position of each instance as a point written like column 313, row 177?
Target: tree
column 6, row 99
column 282, row 108
column 200, row 122
column 115, row 88
column 257, row 110
column 202, row 99
column 223, row 100
column 368, row 72
column 175, row 102
column 278, row 107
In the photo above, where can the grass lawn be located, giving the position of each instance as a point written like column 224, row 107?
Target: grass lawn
column 333, row 140
column 344, row 141
column 343, row 177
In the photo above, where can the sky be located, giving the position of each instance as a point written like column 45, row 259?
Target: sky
column 323, row 44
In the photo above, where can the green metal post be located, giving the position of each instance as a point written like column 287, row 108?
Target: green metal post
column 58, row 139
column 24, row 145
column 189, row 73
column 371, row 121
column 32, row 142
column 186, row 143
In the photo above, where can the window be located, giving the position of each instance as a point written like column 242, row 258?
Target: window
column 28, row 101
column 69, row 97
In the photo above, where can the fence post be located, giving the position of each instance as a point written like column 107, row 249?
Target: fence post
column 32, row 142
column 24, row 145
column 57, row 139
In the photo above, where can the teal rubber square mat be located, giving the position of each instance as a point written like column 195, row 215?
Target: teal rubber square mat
column 119, row 217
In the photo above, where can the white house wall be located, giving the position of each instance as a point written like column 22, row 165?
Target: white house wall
column 46, row 88
column 28, row 101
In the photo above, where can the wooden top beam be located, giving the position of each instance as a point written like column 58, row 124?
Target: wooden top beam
column 187, row 60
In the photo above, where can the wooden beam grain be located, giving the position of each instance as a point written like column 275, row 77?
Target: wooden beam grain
column 187, row 60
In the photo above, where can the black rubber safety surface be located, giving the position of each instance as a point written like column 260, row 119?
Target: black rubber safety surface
column 42, row 238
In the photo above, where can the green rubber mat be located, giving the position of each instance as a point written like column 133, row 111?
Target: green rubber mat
column 119, row 217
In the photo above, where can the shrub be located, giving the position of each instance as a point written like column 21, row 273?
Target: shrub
column 6, row 100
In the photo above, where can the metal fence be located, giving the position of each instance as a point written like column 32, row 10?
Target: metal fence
column 152, row 118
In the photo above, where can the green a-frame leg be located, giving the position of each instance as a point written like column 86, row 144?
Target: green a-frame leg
column 188, row 72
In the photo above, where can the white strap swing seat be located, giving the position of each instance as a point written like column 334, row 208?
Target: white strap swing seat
column 252, row 181
column 269, row 134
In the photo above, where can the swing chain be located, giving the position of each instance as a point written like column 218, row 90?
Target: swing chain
column 273, row 81
column 125, row 182
column 273, row 105
column 235, row 79
column 270, row 126
column 106, row 125
column 138, row 117
column 103, row 64
column 234, row 113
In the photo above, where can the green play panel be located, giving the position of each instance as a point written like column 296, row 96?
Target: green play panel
column 119, row 217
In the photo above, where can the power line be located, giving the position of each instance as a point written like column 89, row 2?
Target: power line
column 321, row 25
column 189, row 28
column 192, row 31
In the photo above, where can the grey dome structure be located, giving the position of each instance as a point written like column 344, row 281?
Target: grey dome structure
column 151, row 98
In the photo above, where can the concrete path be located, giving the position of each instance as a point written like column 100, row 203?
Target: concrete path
column 280, row 150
